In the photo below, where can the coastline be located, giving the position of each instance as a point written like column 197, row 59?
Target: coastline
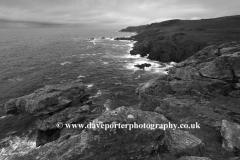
column 177, row 40
column 194, row 90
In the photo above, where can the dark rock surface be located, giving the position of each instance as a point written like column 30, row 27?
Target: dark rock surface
column 124, row 38
column 65, row 103
column 121, row 143
column 200, row 89
column 142, row 66
column 46, row 100
column 176, row 40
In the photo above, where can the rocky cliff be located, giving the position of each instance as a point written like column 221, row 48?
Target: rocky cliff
column 205, row 88
column 176, row 40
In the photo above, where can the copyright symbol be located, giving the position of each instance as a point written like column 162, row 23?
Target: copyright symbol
column 59, row 125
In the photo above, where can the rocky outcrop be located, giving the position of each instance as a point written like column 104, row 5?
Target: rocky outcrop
column 200, row 89
column 211, row 72
column 65, row 103
column 46, row 100
column 121, row 143
column 176, row 40
column 142, row 66
column 124, row 38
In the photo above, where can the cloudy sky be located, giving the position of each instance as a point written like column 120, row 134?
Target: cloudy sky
column 114, row 12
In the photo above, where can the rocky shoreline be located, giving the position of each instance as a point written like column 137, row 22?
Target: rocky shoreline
column 176, row 40
column 205, row 88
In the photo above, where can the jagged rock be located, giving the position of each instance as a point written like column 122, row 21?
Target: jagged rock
column 124, row 38
column 183, row 143
column 193, row 158
column 47, row 129
column 122, row 115
column 231, row 135
column 68, row 115
column 202, row 74
column 64, row 103
column 119, row 143
column 142, row 66
column 190, row 93
column 46, row 100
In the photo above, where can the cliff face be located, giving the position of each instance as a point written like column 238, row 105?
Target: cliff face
column 204, row 88
column 176, row 40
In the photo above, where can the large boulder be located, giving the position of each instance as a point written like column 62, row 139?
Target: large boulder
column 231, row 135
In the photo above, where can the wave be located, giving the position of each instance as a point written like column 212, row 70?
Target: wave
column 2, row 117
column 80, row 76
column 90, row 85
column 64, row 63
column 129, row 56
column 105, row 63
column 69, row 56
column 15, row 145
column 99, row 93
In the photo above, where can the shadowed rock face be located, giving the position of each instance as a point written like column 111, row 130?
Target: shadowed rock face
column 124, row 38
column 121, row 143
column 212, row 71
column 46, row 100
column 203, row 88
column 176, row 40
column 66, row 103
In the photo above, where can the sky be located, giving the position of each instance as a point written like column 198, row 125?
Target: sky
column 114, row 12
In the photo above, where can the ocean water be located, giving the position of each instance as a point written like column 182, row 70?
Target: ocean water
column 33, row 58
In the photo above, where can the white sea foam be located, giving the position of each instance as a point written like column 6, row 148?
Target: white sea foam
column 96, row 40
column 64, row 63
column 155, row 67
column 90, row 85
column 108, row 38
column 69, row 56
column 2, row 117
column 16, row 145
column 131, row 56
column 80, row 76
column 105, row 63
column 99, row 93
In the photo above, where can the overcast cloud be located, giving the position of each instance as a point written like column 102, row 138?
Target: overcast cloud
column 117, row 12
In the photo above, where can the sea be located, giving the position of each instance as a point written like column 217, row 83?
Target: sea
column 31, row 58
